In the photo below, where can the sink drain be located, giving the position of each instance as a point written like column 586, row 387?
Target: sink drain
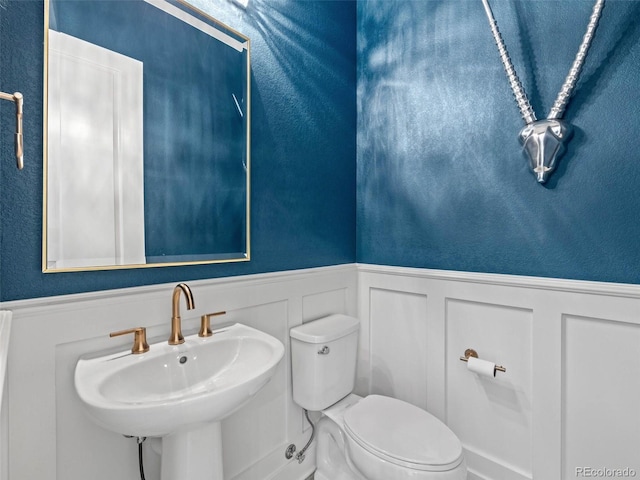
column 183, row 360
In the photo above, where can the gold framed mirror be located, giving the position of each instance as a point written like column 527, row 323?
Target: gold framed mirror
column 147, row 129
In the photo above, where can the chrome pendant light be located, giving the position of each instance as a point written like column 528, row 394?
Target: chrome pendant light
column 544, row 141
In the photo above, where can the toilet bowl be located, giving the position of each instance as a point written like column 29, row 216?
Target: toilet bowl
column 406, row 443
column 364, row 438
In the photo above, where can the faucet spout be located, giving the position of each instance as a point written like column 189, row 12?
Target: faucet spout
column 176, row 337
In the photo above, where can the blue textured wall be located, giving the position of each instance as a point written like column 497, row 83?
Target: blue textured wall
column 303, row 146
column 2, row 141
column 441, row 180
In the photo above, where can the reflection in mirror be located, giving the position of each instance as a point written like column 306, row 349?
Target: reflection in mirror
column 147, row 131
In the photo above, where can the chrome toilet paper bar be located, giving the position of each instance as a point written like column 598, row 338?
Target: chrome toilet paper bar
column 470, row 352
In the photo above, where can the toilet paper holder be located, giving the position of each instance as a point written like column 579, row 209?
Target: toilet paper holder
column 470, row 352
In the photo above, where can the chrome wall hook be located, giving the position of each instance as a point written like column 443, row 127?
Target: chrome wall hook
column 19, row 101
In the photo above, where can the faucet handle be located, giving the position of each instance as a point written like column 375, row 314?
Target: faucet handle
column 205, row 324
column 140, row 344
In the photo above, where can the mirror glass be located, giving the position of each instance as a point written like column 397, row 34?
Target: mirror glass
column 147, row 134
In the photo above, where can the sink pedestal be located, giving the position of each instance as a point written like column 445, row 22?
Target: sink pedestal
column 194, row 454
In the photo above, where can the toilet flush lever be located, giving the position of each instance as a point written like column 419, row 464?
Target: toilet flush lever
column 324, row 350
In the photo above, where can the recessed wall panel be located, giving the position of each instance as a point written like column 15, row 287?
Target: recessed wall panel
column 601, row 388
column 101, row 450
column 259, row 427
column 398, row 341
column 320, row 305
column 491, row 415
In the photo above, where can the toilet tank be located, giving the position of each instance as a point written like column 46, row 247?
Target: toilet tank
column 323, row 360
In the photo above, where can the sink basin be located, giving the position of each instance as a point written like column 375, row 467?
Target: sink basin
column 173, row 388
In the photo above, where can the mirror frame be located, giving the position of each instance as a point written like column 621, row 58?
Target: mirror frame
column 190, row 9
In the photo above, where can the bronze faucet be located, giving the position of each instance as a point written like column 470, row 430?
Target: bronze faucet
column 176, row 337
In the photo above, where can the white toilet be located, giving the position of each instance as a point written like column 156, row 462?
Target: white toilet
column 370, row 438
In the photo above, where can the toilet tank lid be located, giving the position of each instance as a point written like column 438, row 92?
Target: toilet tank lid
column 325, row 329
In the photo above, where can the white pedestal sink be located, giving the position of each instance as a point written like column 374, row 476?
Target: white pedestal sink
column 180, row 393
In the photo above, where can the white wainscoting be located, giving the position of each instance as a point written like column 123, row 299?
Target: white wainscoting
column 50, row 437
column 568, row 400
column 569, row 397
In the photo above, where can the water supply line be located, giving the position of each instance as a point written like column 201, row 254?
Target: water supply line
column 300, row 454
column 139, row 441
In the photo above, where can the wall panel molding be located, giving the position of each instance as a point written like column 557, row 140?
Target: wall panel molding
column 539, row 328
column 490, row 415
column 413, row 323
column 398, row 335
column 50, row 334
column 495, row 279
column 600, row 388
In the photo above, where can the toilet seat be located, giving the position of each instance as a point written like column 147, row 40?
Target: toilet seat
column 402, row 434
